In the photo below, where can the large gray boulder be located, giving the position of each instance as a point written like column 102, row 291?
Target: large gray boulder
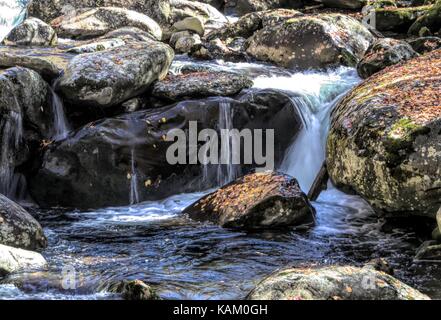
column 104, row 160
column 99, row 21
column 200, row 84
column 108, row 78
column 32, row 32
column 14, row 260
column 18, row 228
column 333, row 283
column 312, row 42
column 384, row 141
column 384, row 52
column 255, row 201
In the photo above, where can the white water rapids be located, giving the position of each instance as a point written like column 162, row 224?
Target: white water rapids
column 12, row 12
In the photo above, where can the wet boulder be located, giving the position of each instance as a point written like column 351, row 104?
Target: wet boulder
column 185, row 41
column 13, row 260
column 383, row 53
column 200, row 84
column 18, row 228
column 384, row 139
column 431, row 20
column 193, row 24
column 255, row 201
column 133, row 290
column 425, row 44
column 312, row 42
column 107, row 161
column 110, row 77
column 241, row 7
column 397, row 19
column 32, row 32
column 47, row 10
column 99, row 21
column 333, row 283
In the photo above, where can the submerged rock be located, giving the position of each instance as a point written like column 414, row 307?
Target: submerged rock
column 383, row 53
column 107, row 78
column 134, row 290
column 18, row 228
column 200, row 84
column 333, row 283
column 99, row 21
column 95, row 166
column 13, row 260
column 312, row 42
column 384, row 139
column 32, row 32
column 255, row 201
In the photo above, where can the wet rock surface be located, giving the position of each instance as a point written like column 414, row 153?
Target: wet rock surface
column 18, row 228
column 32, row 32
column 200, row 84
column 333, row 283
column 384, row 139
column 14, row 260
column 255, row 201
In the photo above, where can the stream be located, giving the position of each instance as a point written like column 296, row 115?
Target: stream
column 183, row 259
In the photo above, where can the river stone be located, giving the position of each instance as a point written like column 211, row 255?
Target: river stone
column 246, row 25
column 48, row 62
column 18, row 228
column 32, row 32
column 344, row 4
column 241, row 7
column 134, row 290
column 384, row 139
column 47, row 10
column 99, row 21
column 200, row 84
column 192, row 24
column 187, row 43
column 397, row 19
column 128, row 34
column 107, row 78
column 312, row 42
column 383, row 53
column 97, row 46
column 429, row 251
column 333, row 283
column 13, row 260
column 93, row 167
column 255, row 201
column 210, row 16
column 430, row 20
column 425, row 44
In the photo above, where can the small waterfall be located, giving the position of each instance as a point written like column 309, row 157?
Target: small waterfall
column 313, row 95
column 11, row 133
column 61, row 125
column 134, row 195
column 12, row 13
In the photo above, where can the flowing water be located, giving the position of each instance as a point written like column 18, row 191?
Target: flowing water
column 61, row 125
column 183, row 259
column 12, row 12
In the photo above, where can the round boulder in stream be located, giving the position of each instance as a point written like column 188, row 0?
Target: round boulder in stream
column 384, row 141
column 333, row 283
column 107, row 78
column 18, row 228
column 32, row 32
column 312, row 42
column 255, row 201
column 201, row 84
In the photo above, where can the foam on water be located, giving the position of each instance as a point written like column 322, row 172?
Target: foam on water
column 12, row 12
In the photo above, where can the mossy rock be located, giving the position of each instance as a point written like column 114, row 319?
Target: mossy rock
column 430, row 20
column 398, row 19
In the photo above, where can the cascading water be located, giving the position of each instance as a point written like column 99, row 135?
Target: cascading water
column 134, row 194
column 61, row 125
column 12, row 12
column 11, row 133
column 313, row 95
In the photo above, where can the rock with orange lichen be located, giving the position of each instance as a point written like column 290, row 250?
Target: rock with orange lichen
column 312, row 42
column 333, row 283
column 385, row 139
column 383, row 53
column 255, row 201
